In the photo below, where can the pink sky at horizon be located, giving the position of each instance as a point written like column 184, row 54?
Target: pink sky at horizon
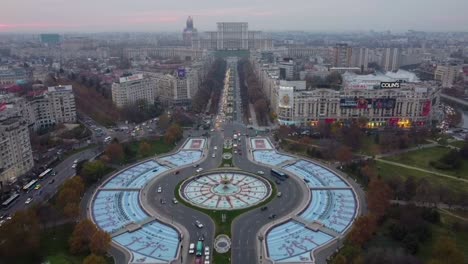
column 157, row 15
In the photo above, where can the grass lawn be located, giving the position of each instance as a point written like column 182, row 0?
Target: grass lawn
column 226, row 162
column 158, row 146
column 421, row 158
column 458, row 143
column 388, row 171
column 54, row 245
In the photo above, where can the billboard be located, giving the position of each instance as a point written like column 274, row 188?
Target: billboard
column 133, row 77
column 426, row 109
column 356, row 102
column 286, row 96
column 384, row 103
column 366, row 103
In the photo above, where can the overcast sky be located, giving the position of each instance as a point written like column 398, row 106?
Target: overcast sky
column 268, row 15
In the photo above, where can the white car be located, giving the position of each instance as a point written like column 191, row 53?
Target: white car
column 159, row 189
column 199, row 170
column 215, row 147
column 198, row 224
column 214, row 155
column 191, row 248
column 174, row 200
column 28, row 201
column 207, row 260
column 260, row 172
column 279, row 194
column 207, row 251
column 74, row 166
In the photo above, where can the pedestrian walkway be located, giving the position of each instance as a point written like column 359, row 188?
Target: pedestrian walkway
column 330, row 188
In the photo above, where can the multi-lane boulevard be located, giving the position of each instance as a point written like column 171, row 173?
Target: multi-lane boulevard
column 51, row 183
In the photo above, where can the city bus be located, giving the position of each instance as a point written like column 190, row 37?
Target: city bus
column 10, row 200
column 199, row 248
column 279, row 174
column 45, row 173
column 30, row 185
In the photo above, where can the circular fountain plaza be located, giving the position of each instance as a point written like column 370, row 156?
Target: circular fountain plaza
column 225, row 190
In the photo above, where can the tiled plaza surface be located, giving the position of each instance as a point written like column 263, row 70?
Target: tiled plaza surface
column 260, row 144
column 116, row 205
column 333, row 206
column 207, row 191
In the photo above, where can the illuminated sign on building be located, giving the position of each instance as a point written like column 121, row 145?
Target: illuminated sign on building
column 386, row 85
column 181, row 73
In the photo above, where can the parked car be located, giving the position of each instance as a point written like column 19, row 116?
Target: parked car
column 159, row 189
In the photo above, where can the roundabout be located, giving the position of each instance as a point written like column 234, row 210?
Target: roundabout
column 317, row 206
column 225, row 190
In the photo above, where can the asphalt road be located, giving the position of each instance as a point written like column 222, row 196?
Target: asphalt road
column 64, row 171
column 180, row 213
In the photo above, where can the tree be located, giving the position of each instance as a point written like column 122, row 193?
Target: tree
column 100, row 242
column 94, row 259
column 20, row 237
column 81, row 237
column 363, row 230
column 115, row 152
column 344, row 154
column 445, row 250
column 71, row 210
column 378, row 197
column 144, row 149
column 93, row 171
column 164, row 121
column 173, row 134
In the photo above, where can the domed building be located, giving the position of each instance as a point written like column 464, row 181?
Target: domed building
column 189, row 32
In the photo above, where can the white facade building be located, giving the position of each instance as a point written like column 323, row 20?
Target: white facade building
column 15, row 149
column 55, row 106
column 129, row 90
column 363, row 96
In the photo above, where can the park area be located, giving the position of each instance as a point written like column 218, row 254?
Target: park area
column 422, row 159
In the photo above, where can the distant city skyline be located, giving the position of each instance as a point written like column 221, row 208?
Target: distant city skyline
column 269, row 15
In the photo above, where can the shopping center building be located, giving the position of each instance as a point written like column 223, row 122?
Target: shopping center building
column 393, row 99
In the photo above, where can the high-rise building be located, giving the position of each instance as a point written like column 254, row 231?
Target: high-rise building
column 342, row 55
column 360, row 58
column 391, row 59
column 178, row 88
column 446, row 74
column 50, row 39
column 129, row 90
column 15, row 149
column 286, row 69
column 55, row 106
column 189, row 32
